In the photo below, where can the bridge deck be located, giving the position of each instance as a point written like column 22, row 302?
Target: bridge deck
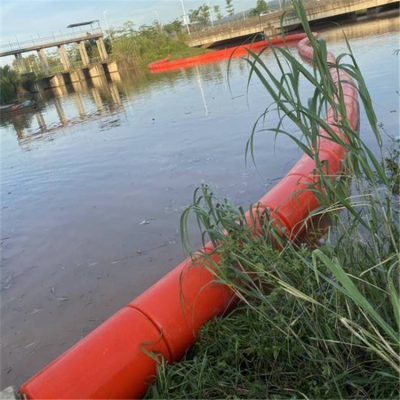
column 8, row 49
column 271, row 22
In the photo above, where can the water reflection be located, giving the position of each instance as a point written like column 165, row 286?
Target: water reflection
column 364, row 27
column 200, row 83
column 79, row 105
column 85, row 101
column 103, row 94
column 112, row 94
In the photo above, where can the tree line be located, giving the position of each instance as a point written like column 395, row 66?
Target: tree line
column 10, row 82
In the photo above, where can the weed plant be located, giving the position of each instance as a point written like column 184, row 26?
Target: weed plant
column 313, row 321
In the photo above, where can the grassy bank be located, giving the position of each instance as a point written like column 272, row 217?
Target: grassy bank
column 151, row 43
column 314, row 321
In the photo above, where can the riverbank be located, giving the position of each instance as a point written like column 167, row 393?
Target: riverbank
column 149, row 44
column 169, row 63
column 323, row 308
column 82, row 174
column 314, row 321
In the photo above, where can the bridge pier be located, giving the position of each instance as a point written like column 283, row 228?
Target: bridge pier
column 60, row 91
column 57, row 80
column 102, row 49
column 112, row 67
column 83, row 53
column 43, row 61
column 116, row 77
column 77, row 76
column 96, row 70
column 64, row 57
column 21, row 68
column 80, row 86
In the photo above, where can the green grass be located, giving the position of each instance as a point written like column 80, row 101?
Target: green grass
column 188, row 52
column 150, row 46
column 393, row 164
column 315, row 321
column 245, row 356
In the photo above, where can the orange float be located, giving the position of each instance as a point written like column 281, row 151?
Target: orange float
column 104, row 364
column 190, row 297
column 168, row 65
column 113, row 361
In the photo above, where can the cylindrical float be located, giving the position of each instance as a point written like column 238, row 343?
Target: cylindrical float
column 114, row 360
column 167, row 65
column 109, row 363
column 181, row 302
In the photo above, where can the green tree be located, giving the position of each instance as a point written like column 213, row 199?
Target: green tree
column 260, row 7
column 217, row 11
column 200, row 15
column 229, row 8
column 73, row 53
column 205, row 14
column 31, row 62
column 173, row 28
column 10, row 83
column 127, row 29
column 194, row 16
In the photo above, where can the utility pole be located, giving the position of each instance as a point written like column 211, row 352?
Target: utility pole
column 108, row 29
column 158, row 17
column 209, row 9
column 159, row 21
column 185, row 18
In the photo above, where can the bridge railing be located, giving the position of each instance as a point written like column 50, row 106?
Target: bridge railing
column 263, row 21
column 45, row 41
column 242, row 24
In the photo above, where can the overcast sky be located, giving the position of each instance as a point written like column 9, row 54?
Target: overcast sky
column 26, row 18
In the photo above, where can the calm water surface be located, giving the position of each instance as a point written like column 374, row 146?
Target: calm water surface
column 94, row 183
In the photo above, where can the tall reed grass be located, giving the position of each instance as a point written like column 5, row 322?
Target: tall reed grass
column 317, row 321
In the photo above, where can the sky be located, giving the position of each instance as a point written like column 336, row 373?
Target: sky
column 21, row 20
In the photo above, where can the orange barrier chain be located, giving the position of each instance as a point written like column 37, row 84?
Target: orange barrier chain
column 113, row 361
column 189, row 299
column 109, row 363
column 167, row 65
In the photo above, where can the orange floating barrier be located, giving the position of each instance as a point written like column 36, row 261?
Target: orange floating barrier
column 113, row 361
column 189, row 299
column 109, row 363
column 167, row 65
column 291, row 201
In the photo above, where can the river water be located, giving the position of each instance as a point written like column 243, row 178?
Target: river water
column 93, row 185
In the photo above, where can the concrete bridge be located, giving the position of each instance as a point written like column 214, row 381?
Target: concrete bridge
column 76, row 70
column 271, row 24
